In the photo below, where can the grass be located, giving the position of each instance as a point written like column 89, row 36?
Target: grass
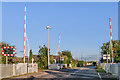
column 99, row 69
column 21, row 75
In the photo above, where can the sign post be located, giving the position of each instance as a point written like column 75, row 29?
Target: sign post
column 106, row 57
column 6, row 57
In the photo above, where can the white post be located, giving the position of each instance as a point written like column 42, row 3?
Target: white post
column 6, row 56
column 6, row 59
column 32, row 60
column 107, row 57
column 32, row 64
column 48, row 49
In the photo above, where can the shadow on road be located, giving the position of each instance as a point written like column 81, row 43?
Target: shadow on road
column 85, row 73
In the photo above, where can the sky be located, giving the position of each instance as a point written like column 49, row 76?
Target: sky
column 83, row 26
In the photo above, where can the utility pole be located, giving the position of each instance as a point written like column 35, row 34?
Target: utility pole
column 28, row 54
column 81, row 56
column 85, row 60
column 28, row 48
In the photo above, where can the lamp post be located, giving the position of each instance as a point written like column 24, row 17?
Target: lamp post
column 48, row 27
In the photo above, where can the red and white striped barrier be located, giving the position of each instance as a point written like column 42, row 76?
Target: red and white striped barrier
column 111, row 40
column 24, row 31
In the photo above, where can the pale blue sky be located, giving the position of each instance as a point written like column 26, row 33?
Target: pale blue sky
column 83, row 26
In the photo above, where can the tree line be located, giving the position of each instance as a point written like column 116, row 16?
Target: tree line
column 43, row 56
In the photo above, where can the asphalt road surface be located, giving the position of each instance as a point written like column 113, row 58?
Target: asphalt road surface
column 79, row 73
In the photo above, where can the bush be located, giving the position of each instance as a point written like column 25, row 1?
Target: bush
column 98, row 67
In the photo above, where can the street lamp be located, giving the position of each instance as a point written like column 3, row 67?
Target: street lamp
column 48, row 27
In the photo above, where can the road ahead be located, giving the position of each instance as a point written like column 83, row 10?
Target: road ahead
column 79, row 73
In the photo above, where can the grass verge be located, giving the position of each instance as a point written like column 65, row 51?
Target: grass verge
column 99, row 69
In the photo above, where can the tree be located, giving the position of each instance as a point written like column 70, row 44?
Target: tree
column 80, row 63
column 116, row 51
column 105, row 49
column 30, row 56
column 65, row 59
column 68, row 58
column 67, row 53
column 51, row 59
column 43, row 56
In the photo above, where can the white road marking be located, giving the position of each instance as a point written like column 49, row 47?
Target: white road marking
column 99, row 76
column 76, row 71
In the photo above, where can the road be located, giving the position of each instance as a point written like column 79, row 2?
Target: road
column 79, row 73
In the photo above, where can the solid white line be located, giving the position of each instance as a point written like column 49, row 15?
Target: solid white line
column 99, row 76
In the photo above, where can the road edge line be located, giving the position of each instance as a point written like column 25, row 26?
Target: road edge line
column 99, row 76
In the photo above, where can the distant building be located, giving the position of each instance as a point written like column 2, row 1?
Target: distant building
column 20, row 59
column 89, row 63
column 35, row 57
column 54, row 58
column 17, row 59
